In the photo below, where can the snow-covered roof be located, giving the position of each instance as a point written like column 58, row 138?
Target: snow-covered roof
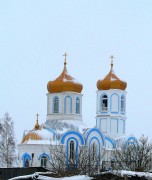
column 61, row 126
column 42, row 136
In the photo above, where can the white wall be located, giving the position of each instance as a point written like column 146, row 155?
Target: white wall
column 64, row 106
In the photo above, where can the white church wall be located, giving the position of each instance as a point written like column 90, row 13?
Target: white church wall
column 30, row 149
column 114, row 103
column 67, row 106
column 103, row 125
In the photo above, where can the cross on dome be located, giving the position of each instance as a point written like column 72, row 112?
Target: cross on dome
column 37, row 115
column 37, row 126
column 65, row 55
column 112, row 57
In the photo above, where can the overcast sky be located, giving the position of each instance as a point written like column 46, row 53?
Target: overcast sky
column 34, row 34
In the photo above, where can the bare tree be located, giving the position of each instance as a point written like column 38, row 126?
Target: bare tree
column 85, row 162
column 134, row 156
column 7, row 142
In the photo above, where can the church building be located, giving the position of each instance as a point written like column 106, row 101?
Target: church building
column 64, row 125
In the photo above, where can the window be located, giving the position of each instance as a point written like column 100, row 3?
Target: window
column 94, row 152
column 26, row 162
column 56, row 105
column 122, row 103
column 43, row 161
column 77, row 106
column 104, row 103
column 72, row 153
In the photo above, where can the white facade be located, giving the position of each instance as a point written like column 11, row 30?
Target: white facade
column 64, row 125
column 34, row 154
column 69, row 106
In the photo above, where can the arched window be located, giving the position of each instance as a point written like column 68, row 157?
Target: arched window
column 43, row 161
column 26, row 160
column 56, row 105
column 27, row 164
column 122, row 103
column 77, row 105
column 94, row 152
column 72, row 151
column 104, row 103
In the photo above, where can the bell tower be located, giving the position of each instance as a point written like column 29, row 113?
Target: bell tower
column 64, row 98
column 111, row 105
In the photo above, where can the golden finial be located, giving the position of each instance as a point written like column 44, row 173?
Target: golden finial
column 112, row 57
column 37, row 126
column 65, row 55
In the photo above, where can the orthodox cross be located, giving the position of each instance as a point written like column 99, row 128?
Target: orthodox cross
column 112, row 57
column 65, row 55
column 37, row 115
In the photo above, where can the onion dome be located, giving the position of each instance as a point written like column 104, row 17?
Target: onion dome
column 64, row 82
column 31, row 136
column 111, row 81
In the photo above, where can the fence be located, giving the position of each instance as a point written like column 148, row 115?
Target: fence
column 7, row 173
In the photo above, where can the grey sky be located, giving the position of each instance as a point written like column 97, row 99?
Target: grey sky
column 34, row 34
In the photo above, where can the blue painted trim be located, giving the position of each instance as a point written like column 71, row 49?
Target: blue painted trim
column 113, row 119
column 131, row 138
column 104, row 112
column 114, row 112
column 134, row 140
column 65, row 104
column 50, row 130
column 44, row 154
column 53, row 104
column 76, row 105
column 72, row 133
column 98, row 147
column 98, row 131
column 24, row 157
column 67, row 150
column 111, row 141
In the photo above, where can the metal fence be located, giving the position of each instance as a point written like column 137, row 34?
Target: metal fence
column 7, row 173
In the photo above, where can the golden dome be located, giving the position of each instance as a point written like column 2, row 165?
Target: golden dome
column 111, row 81
column 31, row 136
column 64, row 83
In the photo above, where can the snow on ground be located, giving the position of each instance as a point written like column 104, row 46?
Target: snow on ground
column 122, row 173
column 36, row 176
column 82, row 177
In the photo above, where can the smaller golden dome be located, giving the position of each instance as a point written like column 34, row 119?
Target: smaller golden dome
column 111, row 81
column 64, row 82
column 31, row 136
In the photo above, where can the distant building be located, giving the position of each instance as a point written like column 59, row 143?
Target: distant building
column 64, row 122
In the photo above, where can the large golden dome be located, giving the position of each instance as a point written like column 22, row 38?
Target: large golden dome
column 64, row 83
column 111, row 81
